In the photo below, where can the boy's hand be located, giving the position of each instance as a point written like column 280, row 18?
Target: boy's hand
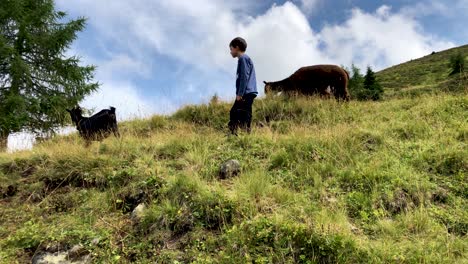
column 238, row 98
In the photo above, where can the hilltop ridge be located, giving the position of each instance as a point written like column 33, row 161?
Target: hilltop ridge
column 427, row 74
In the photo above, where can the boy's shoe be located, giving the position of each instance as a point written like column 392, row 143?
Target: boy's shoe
column 233, row 127
column 228, row 134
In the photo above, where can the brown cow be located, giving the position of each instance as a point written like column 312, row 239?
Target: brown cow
column 317, row 79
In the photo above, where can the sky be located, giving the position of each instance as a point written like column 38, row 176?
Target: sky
column 155, row 56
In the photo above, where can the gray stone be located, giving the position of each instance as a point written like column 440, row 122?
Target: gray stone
column 76, row 255
column 55, row 253
column 354, row 229
column 95, row 241
column 138, row 212
column 50, row 258
column 36, row 197
column 229, row 169
column 77, row 252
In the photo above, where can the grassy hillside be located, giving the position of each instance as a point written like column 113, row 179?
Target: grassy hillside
column 321, row 182
column 427, row 74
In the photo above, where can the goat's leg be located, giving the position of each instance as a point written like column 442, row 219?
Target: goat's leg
column 116, row 132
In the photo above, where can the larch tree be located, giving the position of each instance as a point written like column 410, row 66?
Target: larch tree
column 38, row 80
column 373, row 89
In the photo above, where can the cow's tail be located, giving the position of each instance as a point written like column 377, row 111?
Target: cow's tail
column 347, row 73
column 346, row 95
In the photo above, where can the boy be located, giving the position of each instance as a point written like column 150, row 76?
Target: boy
column 246, row 87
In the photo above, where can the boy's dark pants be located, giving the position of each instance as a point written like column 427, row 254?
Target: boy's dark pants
column 241, row 113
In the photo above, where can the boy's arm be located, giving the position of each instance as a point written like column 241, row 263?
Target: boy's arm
column 242, row 77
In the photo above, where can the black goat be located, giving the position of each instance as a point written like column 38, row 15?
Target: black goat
column 96, row 127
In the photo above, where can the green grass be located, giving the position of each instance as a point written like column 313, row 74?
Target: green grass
column 425, row 75
column 321, row 182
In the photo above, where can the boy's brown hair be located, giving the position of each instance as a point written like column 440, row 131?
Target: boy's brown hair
column 239, row 43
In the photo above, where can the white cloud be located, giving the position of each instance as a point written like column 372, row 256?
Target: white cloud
column 426, row 8
column 197, row 33
column 126, row 66
column 125, row 98
column 378, row 39
column 439, row 8
column 25, row 140
column 280, row 40
column 308, row 6
column 20, row 141
column 115, row 75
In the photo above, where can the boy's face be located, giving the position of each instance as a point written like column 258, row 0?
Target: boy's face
column 235, row 52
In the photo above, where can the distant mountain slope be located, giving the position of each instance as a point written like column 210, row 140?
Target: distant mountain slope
column 427, row 72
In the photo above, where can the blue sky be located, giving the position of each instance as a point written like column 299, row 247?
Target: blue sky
column 154, row 56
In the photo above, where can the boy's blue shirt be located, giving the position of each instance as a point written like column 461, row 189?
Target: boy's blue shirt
column 246, row 81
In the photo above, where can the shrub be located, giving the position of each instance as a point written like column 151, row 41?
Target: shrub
column 188, row 204
column 450, row 162
column 364, row 87
column 356, row 82
column 265, row 240
column 359, row 205
column 457, row 64
column 173, row 149
column 214, row 115
column 372, row 88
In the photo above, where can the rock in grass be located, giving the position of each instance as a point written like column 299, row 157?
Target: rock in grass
column 95, row 241
column 50, row 258
column 76, row 255
column 76, row 252
column 9, row 191
column 36, row 197
column 138, row 212
column 229, row 169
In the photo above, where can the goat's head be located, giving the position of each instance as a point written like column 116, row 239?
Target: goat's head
column 76, row 114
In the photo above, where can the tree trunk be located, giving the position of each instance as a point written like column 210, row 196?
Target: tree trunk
column 3, row 142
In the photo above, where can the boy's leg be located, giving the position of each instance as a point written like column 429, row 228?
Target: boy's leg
column 234, row 117
column 249, row 104
column 246, row 111
column 243, row 117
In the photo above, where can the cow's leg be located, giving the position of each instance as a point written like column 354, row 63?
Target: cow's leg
column 337, row 93
column 339, row 87
column 326, row 91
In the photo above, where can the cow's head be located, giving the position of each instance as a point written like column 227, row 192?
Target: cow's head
column 272, row 88
column 268, row 87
